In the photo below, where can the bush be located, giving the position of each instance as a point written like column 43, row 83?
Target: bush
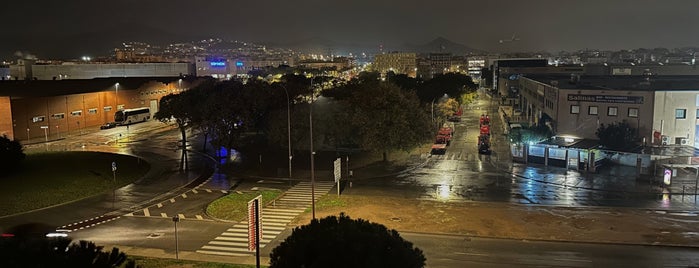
column 344, row 242
column 11, row 155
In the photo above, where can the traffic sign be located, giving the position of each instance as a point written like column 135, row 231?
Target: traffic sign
column 338, row 169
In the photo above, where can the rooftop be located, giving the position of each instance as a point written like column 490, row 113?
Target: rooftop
column 47, row 88
column 619, row 82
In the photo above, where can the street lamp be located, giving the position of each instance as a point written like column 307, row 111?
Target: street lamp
column 288, row 127
column 116, row 97
column 310, row 120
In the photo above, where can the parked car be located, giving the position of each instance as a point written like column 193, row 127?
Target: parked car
column 108, row 125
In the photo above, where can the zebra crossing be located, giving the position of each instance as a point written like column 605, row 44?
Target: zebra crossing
column 457, row 156
column 273, row 219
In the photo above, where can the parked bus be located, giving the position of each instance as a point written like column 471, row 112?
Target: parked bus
column 130, row 116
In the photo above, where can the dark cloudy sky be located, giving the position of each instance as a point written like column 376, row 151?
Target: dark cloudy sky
column 48, row 28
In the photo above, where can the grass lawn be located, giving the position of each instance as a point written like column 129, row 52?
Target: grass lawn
column 170, row 263
column 47, row 179
column 234, row 206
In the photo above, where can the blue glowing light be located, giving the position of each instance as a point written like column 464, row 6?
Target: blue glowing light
column 239, row 63
column 218, row 64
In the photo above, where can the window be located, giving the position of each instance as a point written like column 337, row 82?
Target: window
column 58, row 116
column 107, row 108
column 592, row 110
column 633, row 112
column 697, row 113
column 92, row 111
column 39, row 118
column 612, row 111
column 76, row 113
column 575, row 109
column 680, row 113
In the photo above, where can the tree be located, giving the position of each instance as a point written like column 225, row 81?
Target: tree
column 11, row 154
column 617, row 136
column 344, row 242
column 533, row 134
column 387, row 118
column 451, row 84
column 178, row 108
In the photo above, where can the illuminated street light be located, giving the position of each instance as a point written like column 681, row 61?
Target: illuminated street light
column 116, row 97
column 310, row 119
column 288, row 126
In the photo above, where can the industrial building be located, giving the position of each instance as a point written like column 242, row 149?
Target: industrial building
column 664, row 109
column 38, row 110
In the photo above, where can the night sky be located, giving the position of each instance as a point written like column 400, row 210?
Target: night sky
column 72, row 28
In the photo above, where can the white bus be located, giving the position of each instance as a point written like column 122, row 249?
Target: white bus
column 130, row 116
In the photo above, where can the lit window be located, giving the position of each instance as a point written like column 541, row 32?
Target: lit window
column 92, row 111
column 575, row 109
column 680, row 113
column 633, row 112
column 58, row 116
column 592, row 110
column 612, row 111
column 38, row 119
column 107, row 108
column 76, row 113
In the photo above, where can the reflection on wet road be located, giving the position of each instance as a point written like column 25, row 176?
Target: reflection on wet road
column 464, row 175
column 454, row 180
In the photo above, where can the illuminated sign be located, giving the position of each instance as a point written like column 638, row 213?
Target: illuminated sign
column 667, row 176
column 606, row 99
column 218, row 64
column 239, row 63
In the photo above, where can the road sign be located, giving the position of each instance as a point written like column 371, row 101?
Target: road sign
column 338, row 169
column 44, row 127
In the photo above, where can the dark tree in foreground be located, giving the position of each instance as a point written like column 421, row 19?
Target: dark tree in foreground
column 344, row 242
column 24, row 251
column 617, row 136
column 11, row 154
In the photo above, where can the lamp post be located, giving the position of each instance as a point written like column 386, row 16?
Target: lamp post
column 116, row 97
column 310, row 120
column 288, row 127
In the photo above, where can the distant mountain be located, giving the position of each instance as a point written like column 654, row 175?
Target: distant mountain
column 443, row 45
column 102, row 43
column 324, row 46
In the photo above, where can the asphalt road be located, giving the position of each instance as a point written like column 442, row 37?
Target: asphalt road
column 142, row 218
column 462, row 174
column 461, row 251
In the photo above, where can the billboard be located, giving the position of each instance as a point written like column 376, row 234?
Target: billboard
column 606, row 98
